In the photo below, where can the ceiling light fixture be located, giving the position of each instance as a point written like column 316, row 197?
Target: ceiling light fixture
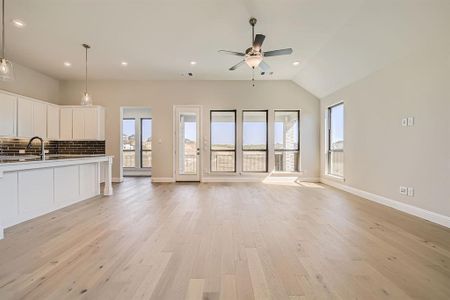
column 193, row 63
column 295, row 63
column 67, row 64
column 19, row 23
column 253, row 60
column 124, row 63
column 86, row 100
column 6, row 66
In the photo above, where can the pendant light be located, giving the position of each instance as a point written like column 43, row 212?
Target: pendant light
column 86, row 100
column 6, row 67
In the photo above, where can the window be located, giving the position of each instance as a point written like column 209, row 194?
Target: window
column 336, row 140
column 223, row 141
column 254, row 141
column 129, row 143
column 286, row 140
column 146, row 143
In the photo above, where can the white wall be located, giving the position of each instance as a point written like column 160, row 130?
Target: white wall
column 380, row 155
column 160, row 96
column 33, row 84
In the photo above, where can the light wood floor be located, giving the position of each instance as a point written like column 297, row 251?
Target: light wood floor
column 225, row 241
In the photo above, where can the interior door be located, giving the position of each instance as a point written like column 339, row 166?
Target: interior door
column 187, row 136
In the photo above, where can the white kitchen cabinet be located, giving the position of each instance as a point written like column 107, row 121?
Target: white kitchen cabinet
column 78, row 123
column 31, row 118
column 89, row 180
column 40, row 119
column 66, row 124
column 8, row 114
column 24, row 117
column 88, row 123
column 52, row 122
column 8, row 199
column 67, row 185
column 35, row 191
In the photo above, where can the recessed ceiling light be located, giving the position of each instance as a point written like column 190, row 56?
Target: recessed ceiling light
column 193, row 63
column 19, row 23
column 67, row 64
column 124, row 63
column 295, row 63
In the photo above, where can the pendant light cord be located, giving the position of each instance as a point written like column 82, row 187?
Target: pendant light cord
column 86, row 84
column 3, row 29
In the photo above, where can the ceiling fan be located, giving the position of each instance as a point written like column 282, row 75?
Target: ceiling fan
column 254, row 55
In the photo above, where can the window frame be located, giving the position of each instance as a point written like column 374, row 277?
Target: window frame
column 329, row 150
column 298, row 169
column 256, row 150
column 128, row 150
column 141, row 148
column 210, row 140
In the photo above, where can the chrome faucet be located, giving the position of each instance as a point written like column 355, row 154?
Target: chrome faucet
column 42, row 146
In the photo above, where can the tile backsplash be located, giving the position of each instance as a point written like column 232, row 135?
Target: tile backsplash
column 11, row 147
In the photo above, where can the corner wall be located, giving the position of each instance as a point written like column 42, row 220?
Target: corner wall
column 379, row 154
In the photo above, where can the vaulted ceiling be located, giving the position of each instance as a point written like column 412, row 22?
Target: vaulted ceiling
column 336, row 41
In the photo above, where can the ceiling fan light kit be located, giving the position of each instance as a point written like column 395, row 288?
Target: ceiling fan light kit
column 254, row 56
column 6, row 66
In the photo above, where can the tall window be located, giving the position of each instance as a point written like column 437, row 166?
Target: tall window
column 146, row 143
column 129, row 143
column 286, row 140
column 223, row 141
column 254, row 141
column 336, row 140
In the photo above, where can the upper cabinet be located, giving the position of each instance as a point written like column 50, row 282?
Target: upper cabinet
column 8, row 114
column 25, row 117
column 65, row 123
column 53, row 122
column 31, row 118
column 82, row 123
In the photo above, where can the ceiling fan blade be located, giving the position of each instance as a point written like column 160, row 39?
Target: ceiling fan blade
column 263, row 66
column 286, row 51
column 237, row 65
column 232, row 52
column 259, row 40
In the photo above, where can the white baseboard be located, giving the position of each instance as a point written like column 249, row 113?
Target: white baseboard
column 232, row 179
column 163, row 179
column 409, row 209
column 117, row 179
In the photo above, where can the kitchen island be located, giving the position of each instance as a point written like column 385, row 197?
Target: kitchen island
column 30, row 187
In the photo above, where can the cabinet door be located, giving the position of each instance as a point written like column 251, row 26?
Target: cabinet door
column 8, row 104
column 78, row 123
column 24, row 117
column 40, row 119
column 66, row 122
column 91, row 122
column 52, row 122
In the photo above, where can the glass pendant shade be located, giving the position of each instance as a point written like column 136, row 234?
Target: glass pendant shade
column 6, row 70
column 86, row 100
column 253, row 61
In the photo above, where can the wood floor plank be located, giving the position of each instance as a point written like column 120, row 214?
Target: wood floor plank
column 225, row 241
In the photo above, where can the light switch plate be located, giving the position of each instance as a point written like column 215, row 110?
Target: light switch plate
column 410, row 191
column 403, row 190
column 410, row 121
column 404, row 122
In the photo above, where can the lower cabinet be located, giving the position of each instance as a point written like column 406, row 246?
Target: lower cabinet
column 30, row 193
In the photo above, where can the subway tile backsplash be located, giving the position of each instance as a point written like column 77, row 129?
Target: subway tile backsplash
column 11, row 147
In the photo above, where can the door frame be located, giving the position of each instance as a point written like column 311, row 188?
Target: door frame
column 175, row 141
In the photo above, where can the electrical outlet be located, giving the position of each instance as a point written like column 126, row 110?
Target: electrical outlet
column 403, row 190
column 404, row 122
column 46, row 151
column 410, row 121
column 411, row 192
column 22, row 151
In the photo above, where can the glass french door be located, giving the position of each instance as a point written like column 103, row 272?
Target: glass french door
column 187, row 135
